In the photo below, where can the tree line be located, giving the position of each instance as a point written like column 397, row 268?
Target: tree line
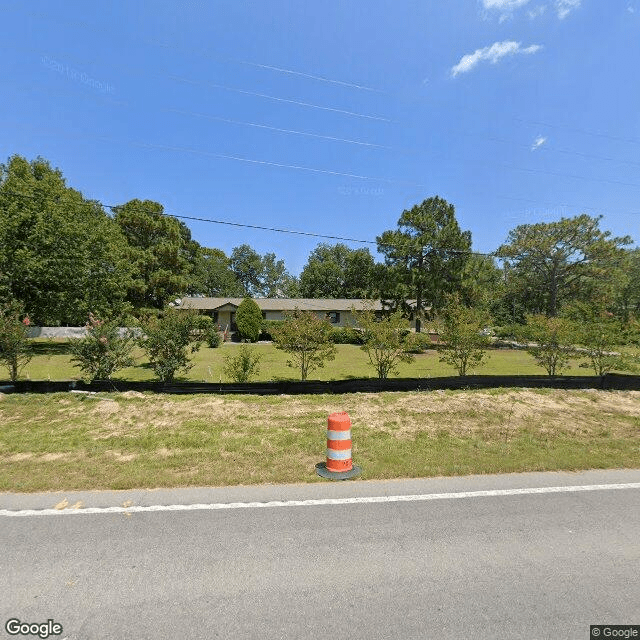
column 64, row 256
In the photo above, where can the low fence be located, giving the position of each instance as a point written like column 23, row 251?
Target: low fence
column 618, row 382
column 72, row 332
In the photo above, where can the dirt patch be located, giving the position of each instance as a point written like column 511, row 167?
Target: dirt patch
column 163, row 452
column 133, row 394
column 106, row 407
column 17, row 457
column 122, row 457
column 48, row 457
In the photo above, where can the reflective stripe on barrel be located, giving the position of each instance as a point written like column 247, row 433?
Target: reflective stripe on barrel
column 339, row 442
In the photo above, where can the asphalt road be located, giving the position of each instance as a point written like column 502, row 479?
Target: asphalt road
column 531, row 566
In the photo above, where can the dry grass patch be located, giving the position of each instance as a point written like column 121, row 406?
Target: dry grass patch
column 67, row 441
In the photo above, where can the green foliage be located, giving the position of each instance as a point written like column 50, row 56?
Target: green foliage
column 346, row 335
column 168, row 341
column 513, row 331
column 160, row 250
column 249, row 320
column 306, row 338
column 554, row 341
column 338, row 272
column 102, row 352
column 598, row 333
column 425, row 256
column 243, row 366
column 626, row 296
column 202, row 323
column 262, row 276
column 268, row 327
column 62, row 255
column 482, row 282
column 212, row 275
column 213, row 337
column 463, row 345
column 204, row 328
column 418, row 343
column 551, row 264
column 15, row 347
column 384, row 340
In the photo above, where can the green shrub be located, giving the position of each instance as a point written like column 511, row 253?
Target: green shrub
column 213, row 337
column 418, row 343
column 513, row 331
column 103, row 351
column 268, row 327
column 249, row 320
column 243, row 366
column 15, row 346
column 346, row 335
column 168, row 341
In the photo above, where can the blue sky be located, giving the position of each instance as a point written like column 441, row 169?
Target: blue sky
column 332, row 117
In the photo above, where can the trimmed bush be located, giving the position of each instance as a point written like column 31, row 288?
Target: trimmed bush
column 346, row 335
column 249, row 320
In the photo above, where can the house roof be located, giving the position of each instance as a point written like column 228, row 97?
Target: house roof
column 283, row 304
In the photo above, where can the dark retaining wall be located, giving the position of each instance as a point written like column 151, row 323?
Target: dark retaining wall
column 610, row 381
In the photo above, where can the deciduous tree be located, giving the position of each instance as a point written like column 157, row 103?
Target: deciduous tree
column 385, row 340
column 463, row 345
column 160, row 250
column 62, row 255
column 103, row 351
column 168, row 340
column 15, row 346
column 336, row 271
column 554, row 342
column 307, row 340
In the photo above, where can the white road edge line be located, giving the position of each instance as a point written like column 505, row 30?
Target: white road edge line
column 321, row 502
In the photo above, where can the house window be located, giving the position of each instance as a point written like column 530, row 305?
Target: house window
column 264, row 315
column 333, row 317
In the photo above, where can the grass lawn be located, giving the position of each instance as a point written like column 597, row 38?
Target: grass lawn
column 52, row 362
column 119, row 441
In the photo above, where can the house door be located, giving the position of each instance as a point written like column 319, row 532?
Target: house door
column 232, row 323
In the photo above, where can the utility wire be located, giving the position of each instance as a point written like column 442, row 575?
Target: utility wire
column 100, row 31
column 115, row 208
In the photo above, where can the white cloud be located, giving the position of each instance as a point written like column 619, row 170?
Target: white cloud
column 492, row 54
column 536, row 12
column 505, row 8
column 538, row 142
column 565, row 7
column 503, row 5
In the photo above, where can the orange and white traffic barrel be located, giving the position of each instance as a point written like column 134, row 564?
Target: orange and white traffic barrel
column 339, row 465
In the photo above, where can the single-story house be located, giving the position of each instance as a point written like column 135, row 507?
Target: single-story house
column 336, row 310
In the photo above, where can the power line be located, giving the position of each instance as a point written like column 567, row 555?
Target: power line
column 277, row 98
column 568, row 205
column 115, row 208
column 214, row 56
column 277, row 129
column 100, row 30
column 283, row 165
